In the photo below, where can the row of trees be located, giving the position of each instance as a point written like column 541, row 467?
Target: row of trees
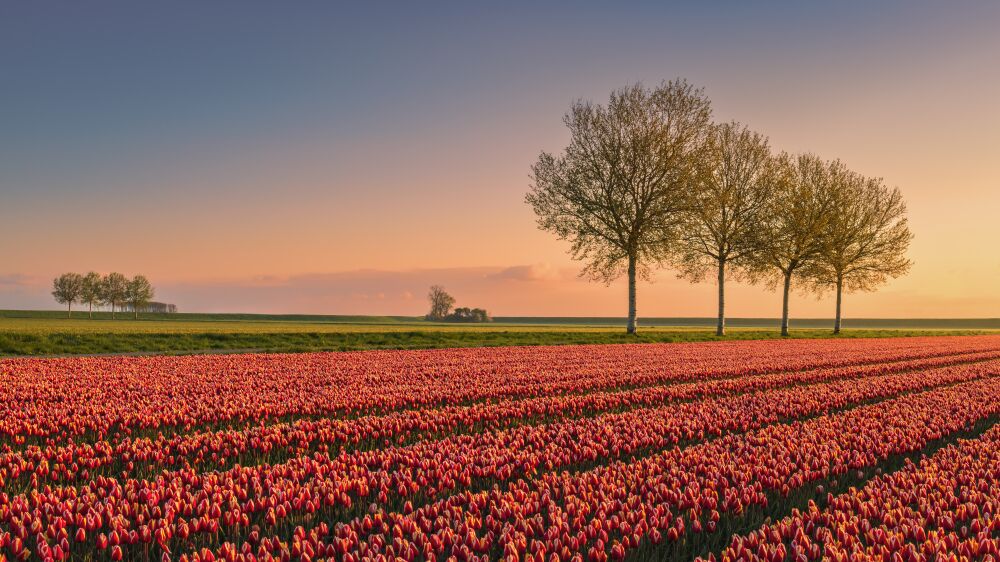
column 649, row 180
column 441, row 303
column 113, row 289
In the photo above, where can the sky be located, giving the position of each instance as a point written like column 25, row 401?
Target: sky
column 320, row 157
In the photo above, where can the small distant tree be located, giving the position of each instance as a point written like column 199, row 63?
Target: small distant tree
column 796, row 221
column 466, row 314
column 114, row 290
column 138, row 293
column 722, row 232
column 461, row 314
column 67, row 289
column 619, row 190
column 865, row 240
column 91, row 293
column 441, row 303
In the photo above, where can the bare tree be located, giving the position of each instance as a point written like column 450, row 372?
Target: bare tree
column 796, row 220
column 67, row 289
column 619, row 190
column 865, row 240
column 114, row 290
column 138, row 293
column 734, row 195
column 91, row 293
column 441, row 303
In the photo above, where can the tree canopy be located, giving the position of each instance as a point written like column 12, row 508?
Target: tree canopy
column 797, row 218
column 721, row 233
column 618, row 191
column 648, row 180
column 138, row 293
column 67, row 289
column 441, row 303
column 865, row 240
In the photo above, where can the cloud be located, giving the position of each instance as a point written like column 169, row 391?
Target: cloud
column 535, row 272
column 16, row 281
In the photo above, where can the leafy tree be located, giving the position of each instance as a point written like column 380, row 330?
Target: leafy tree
column 461, row 314
column 91, row 293
column 67, row 289
column 796, row 220
column 114, row 290
column 619, row 190
column 734, row 195
column 466, row 314
column 865, row 240
column 441, row 303
column 138, row 293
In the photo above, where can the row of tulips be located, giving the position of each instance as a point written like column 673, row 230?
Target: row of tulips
column 947, row 507
column 276, row 443
column 662, row 501
column 184, row 509
column 54, row 400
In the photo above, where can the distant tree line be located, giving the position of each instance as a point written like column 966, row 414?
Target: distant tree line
column 441, row 311
column 114, row 289
column 649, row 180
column 157, row 308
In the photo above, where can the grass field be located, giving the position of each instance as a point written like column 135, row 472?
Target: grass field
column 51, row 333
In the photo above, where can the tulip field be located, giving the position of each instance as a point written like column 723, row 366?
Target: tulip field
column 797, row 450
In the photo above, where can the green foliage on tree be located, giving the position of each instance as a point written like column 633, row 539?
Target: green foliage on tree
column 114, row 290
column 466, row 314
column 721, row 234
column 619, row 191
column 865, row 240
column 67, row 289
column 648, row 180
column 92, row 290
column 138, row 294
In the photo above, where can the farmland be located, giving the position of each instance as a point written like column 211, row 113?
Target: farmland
column 762, row 450
column 51, row 333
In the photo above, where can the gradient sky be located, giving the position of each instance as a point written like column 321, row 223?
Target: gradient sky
column 310, row 157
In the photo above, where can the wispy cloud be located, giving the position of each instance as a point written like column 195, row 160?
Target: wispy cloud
column 532, row 273
column 16, row 281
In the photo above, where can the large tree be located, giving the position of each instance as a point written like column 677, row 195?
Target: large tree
column 619, row 190
column 67, row 289
column 796, row 220
column 441, row 303
column 138, row 293
column 721, row 234
column 91, row 293
column 114, row 290
column 865, row 240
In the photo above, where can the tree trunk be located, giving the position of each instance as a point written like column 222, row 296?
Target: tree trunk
column 784, row 303
column 90, row 313
column 137, row 313
column 720, row 328
column 840, row 292
column 631, row 296
column 69, row 310
column 112, row 311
